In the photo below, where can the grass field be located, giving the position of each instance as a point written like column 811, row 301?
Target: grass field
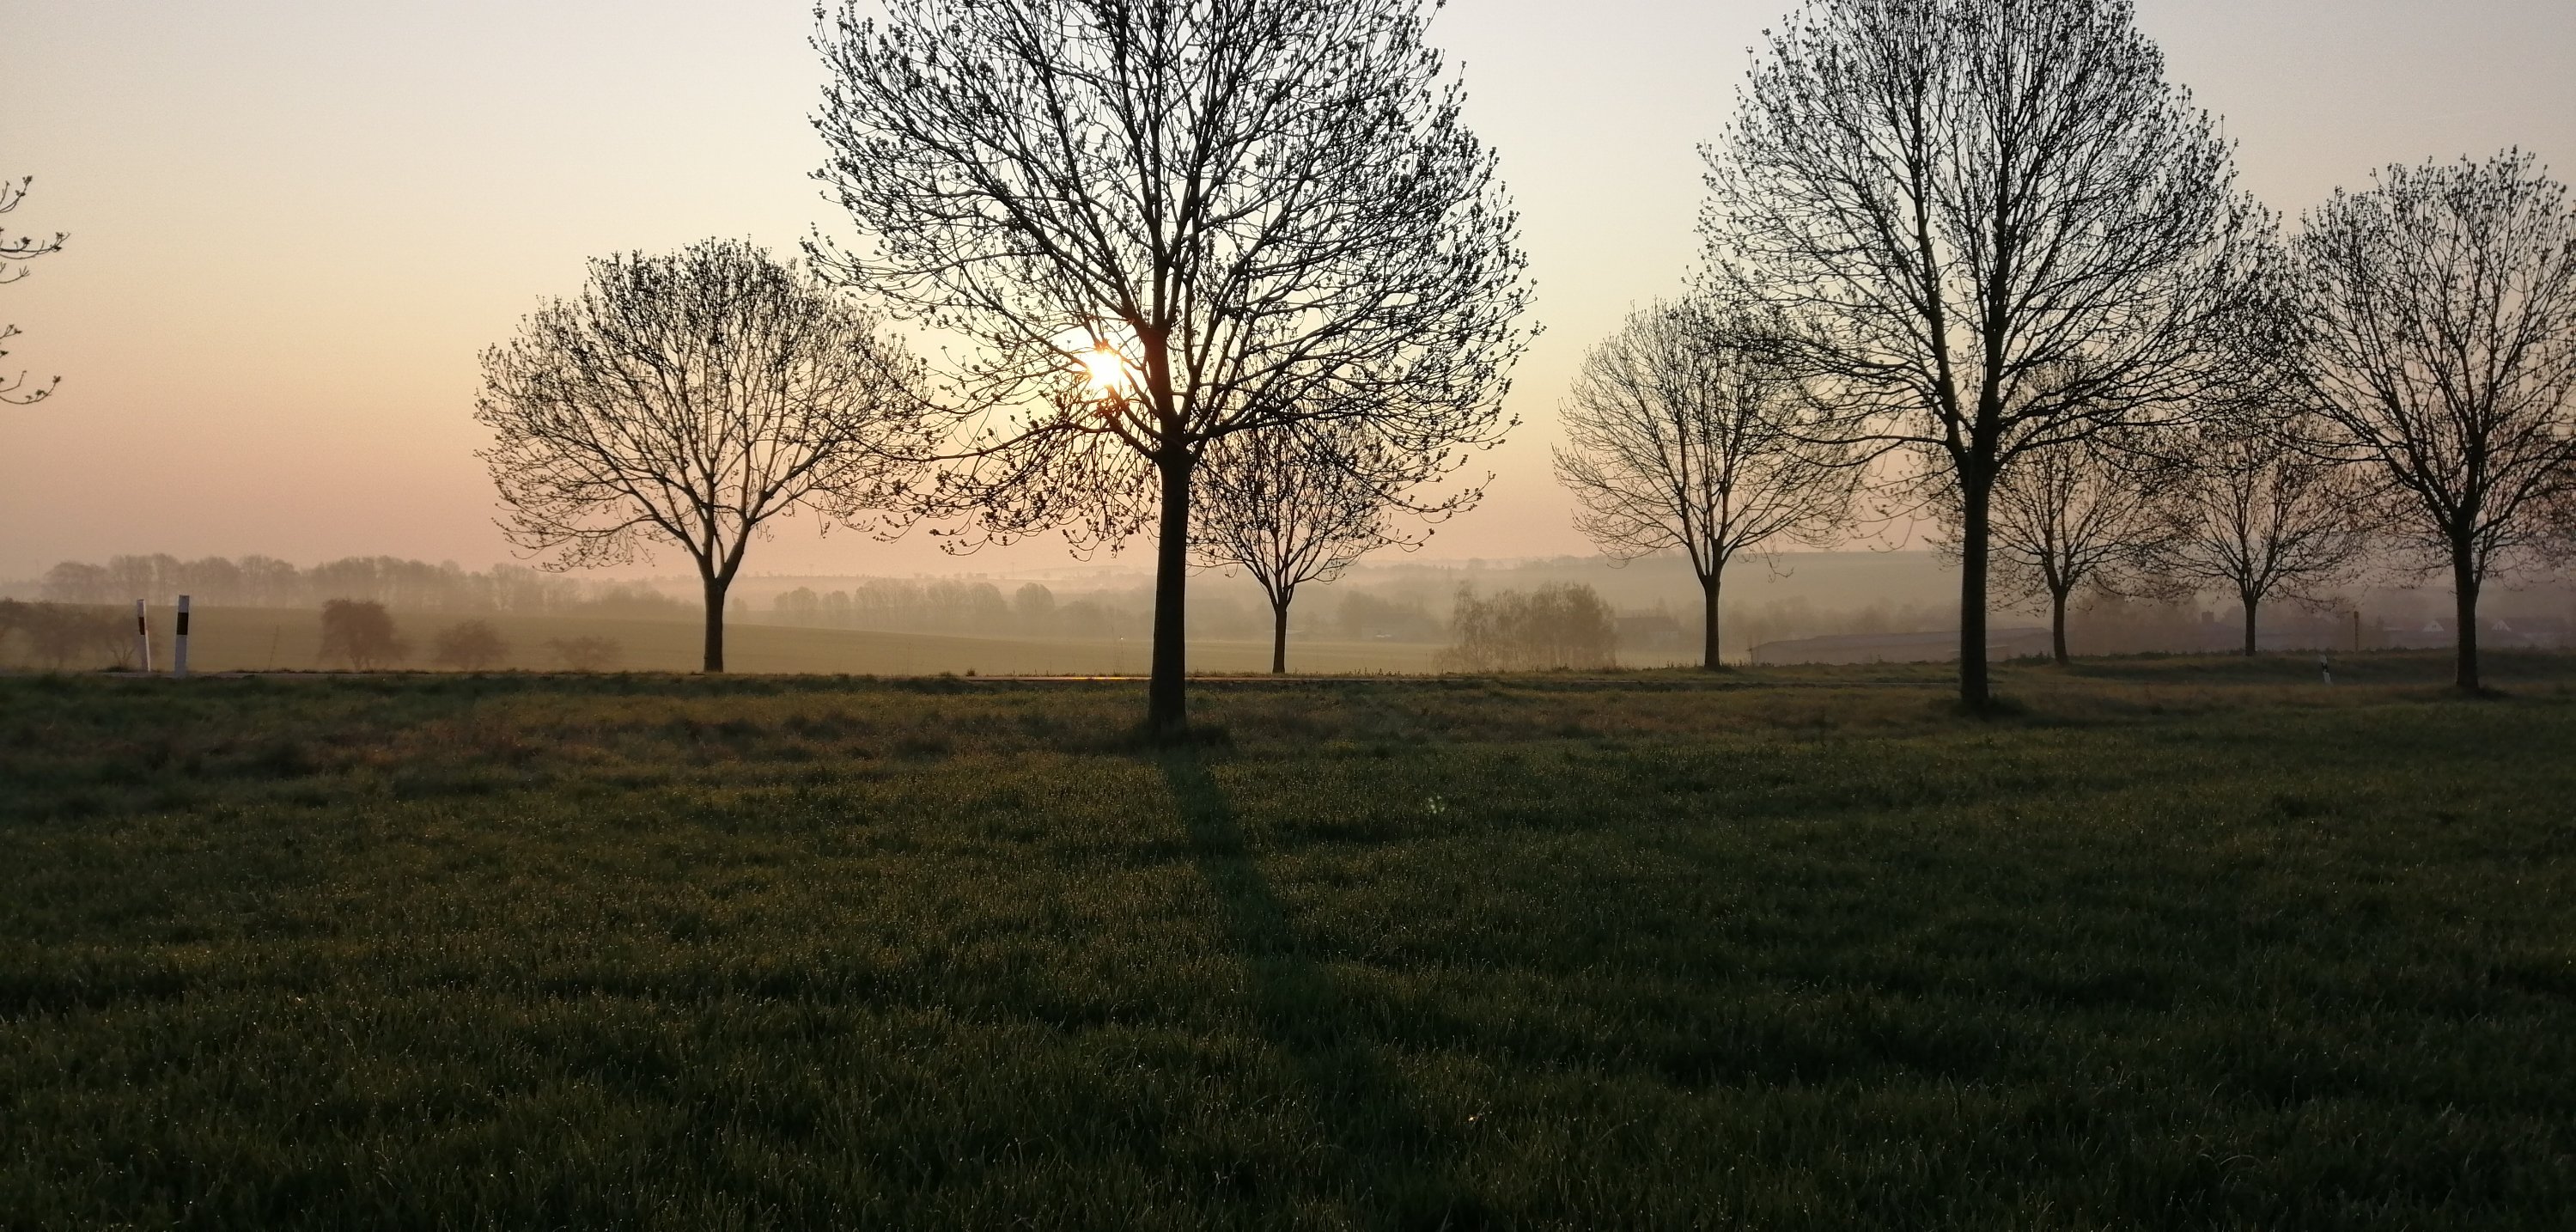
column 290, row 639
column 2178, row 944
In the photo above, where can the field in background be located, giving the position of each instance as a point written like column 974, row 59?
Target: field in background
column 283, row 639
column 2180, row 944
column 1388, row 614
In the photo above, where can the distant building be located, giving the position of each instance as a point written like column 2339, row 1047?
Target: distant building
column 2494, row 633
column 2012, row 643
column 2530, row 633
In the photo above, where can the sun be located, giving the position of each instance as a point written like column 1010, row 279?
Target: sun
column 1108, row 371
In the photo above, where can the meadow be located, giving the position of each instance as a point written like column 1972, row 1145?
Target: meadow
column 259, row 639
column 2173, row 943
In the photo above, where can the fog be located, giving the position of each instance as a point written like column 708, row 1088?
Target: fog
column 1392, row 613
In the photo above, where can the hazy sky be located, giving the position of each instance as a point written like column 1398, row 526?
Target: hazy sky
column 296, row 222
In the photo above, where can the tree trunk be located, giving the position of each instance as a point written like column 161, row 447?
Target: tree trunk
column 2464, row 586
column 1167, row 704
column 1709, row 657
column 1279, row 637
column 715, row 621
column 2057, row 625
column 1975, row 526
column 2251, row 606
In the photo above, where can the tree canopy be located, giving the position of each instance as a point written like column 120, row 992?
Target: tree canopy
column 687, row 400
column 1160, row 225
column 1988, row 227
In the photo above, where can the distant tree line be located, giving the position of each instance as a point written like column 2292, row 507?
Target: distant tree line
column 404, row 585
column 1556, row 627
column 361, row 635
column 949, row 605
column 1032, row 610
column 356, row 634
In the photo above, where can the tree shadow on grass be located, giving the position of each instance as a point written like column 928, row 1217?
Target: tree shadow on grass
column 1386, row 1162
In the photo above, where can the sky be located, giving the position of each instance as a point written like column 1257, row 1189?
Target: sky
column 296, row 223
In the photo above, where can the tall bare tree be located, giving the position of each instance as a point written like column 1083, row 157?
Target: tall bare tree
column 1298, row 504
column 15, row 252
column 1254, row 213
column 2064, row 518
column 1993, row 228
column 689, row 400
column 2437, row 343
column 2249, row 513
column 1685, row 432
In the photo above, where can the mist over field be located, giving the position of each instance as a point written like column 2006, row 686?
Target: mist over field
column 1393, row 615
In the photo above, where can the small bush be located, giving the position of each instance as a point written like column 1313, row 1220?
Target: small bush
column 361, row 633
column 60, row 634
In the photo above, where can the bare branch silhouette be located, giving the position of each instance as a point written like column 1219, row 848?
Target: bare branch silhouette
column 15, row 252
column 2436, row 334
column 1300, row 503
column 1686, row 433
column 1161, row 225
column 2064, row 518
column 2249, row 514
column 691, row 399
column 1992, row 228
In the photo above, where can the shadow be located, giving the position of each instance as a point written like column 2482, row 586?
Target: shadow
column 1385, row 1161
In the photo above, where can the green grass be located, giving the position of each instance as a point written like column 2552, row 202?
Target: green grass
column 2182, row 944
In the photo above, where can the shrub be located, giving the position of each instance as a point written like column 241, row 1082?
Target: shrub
column 361, row 632
column 58, row 633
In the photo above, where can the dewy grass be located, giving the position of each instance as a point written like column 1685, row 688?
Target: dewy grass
column 2183, row 944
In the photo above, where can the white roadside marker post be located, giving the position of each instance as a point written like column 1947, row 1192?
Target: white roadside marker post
column 142, row 637
column 179, row 651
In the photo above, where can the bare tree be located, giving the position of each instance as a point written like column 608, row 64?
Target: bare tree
column 2248, row 513
column 689, row 400
column 1298, row 504
column 1992, row 227
column 15, row 252
column 2437, row 343
column 2064, row 518
column 1164, row 224
column 1686, row 432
